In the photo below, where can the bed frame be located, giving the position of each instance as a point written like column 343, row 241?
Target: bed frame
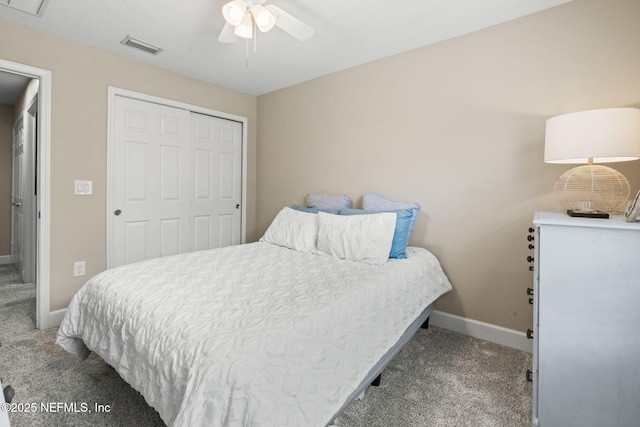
column 375, row 374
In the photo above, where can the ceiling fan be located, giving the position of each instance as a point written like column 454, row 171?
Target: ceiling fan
column 243, row 16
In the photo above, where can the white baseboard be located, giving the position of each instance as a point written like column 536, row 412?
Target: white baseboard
column 5, row 259
column 482, row 330
column 56, row 318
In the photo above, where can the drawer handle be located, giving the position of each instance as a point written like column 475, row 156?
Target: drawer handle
column 529, row 375
column 531, row 268
column 529, row 291
column 529, row 334
column 530, row 258
column 531, row 246
column 530, row 238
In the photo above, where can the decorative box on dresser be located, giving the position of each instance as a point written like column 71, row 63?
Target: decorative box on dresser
column 586, row 333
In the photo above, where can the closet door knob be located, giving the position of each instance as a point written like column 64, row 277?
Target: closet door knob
column 117, row 212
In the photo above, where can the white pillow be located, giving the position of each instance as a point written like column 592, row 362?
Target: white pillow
column 294, row 230
column 365, row 238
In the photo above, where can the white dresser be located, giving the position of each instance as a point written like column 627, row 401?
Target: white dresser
column 586, row 333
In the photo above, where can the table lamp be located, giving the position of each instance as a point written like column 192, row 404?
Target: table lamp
column 594, row 136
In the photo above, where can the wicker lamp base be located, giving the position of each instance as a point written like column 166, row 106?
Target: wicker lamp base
column 593, row 188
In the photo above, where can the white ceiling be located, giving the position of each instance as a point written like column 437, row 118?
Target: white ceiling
column 348, row 33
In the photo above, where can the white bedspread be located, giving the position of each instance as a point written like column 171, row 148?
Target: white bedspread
column 249, row 335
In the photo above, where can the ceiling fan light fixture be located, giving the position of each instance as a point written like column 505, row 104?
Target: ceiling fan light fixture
column 265, row 20
column 245, row 28
column 244, row 16
column 290, row 23
column 234, row 12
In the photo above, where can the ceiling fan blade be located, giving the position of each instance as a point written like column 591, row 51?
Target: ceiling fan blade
column 291, row 24
column 227, row 35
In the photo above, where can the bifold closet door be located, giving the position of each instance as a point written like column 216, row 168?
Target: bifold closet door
column 217, row 178
column 177, row 184
column 151, row 181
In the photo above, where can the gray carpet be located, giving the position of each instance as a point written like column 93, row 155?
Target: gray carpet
column 441, row 378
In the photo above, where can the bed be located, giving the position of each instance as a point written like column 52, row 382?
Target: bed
column 254, row 334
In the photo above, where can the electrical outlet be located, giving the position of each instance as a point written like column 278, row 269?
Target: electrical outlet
column 79, row 268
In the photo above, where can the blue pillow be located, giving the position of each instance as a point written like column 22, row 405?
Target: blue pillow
column 314, row 210
column 401, row 233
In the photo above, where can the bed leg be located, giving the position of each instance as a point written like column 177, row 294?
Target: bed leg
column 376, row 382
column 425, row 325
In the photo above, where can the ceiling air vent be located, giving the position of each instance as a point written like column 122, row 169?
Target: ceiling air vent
column 142, row 45
column 32, row 7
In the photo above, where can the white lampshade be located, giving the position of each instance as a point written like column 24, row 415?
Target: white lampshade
column 594, row 136
column 234, row 11
column 264, row 19
column 607, row 135
column 245, row 28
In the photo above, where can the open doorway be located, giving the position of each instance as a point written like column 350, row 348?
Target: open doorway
column 18, row 192
column 27, row 203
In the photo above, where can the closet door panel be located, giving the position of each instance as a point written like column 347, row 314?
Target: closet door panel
column 177, row 181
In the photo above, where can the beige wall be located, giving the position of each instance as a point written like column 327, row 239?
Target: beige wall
column 6, row 122
column 80, row 77
column 458, row 127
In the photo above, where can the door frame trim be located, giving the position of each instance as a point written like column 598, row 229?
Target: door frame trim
column 111, row 114
column 43, row 265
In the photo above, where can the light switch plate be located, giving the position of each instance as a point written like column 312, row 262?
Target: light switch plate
column 82, row 188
